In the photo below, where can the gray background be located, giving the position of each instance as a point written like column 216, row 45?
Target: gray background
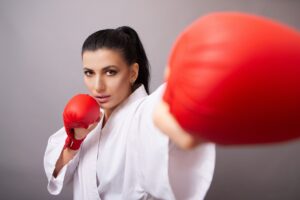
column 41, row 69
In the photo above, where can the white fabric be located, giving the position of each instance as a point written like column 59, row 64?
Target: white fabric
column 131, row 159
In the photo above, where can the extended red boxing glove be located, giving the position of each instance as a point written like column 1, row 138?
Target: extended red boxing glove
column 235, row 79
column 81, row 111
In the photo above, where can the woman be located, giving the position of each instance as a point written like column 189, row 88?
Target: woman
column 124, row 156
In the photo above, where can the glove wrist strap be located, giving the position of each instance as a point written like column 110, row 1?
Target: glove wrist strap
column 72, row 143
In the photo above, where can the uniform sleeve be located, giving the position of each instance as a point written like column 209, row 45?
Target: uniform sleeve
column 54, row 148
column 189, row 173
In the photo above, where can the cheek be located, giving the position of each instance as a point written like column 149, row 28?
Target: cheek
column 88, row 83
column 122, row 83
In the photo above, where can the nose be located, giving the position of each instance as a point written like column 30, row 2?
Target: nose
column 99, row 84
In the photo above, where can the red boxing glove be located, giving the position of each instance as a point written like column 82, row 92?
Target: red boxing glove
column 235, row 79
column 81, row 111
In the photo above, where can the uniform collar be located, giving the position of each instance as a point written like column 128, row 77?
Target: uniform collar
column 138, row 93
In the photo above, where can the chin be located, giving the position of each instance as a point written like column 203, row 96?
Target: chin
column 109, row 106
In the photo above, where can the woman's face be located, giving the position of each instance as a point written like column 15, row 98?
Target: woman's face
column 108, row 77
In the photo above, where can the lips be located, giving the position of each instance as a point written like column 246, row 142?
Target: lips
column 102, row 98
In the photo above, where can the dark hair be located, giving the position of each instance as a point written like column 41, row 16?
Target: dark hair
column 125, row 40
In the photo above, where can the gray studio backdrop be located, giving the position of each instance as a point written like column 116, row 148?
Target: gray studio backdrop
column 41, row 69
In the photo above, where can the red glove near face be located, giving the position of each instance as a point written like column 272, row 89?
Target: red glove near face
column 81, row 111
column 235, row 79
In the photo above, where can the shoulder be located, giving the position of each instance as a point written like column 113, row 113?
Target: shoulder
column 151, row 100
column 158, row 92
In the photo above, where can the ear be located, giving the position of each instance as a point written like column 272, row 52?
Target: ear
column 134, row 72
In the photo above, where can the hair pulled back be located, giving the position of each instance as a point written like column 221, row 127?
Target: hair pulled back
column 126, row 41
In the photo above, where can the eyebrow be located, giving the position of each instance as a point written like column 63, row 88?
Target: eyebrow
column 105, row 68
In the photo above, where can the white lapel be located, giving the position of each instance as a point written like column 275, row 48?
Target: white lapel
column 88, row 163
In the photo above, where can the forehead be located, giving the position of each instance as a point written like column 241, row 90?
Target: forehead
column 102, row 58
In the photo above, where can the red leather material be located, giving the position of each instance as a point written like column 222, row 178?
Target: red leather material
column 235, row 79
column 81, row 111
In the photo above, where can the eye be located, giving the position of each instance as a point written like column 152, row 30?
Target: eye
column 111, row 72
column 88, row 73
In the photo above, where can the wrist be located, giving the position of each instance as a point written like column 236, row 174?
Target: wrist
column 72, row 143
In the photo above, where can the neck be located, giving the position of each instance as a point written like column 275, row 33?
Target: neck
column 108, row 112
column 106, row 116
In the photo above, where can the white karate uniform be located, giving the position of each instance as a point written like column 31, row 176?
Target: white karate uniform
column 131, row 159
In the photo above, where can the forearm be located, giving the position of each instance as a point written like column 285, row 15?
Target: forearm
column 65, row 156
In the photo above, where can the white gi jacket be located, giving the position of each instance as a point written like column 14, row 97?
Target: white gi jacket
column 131, row 159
